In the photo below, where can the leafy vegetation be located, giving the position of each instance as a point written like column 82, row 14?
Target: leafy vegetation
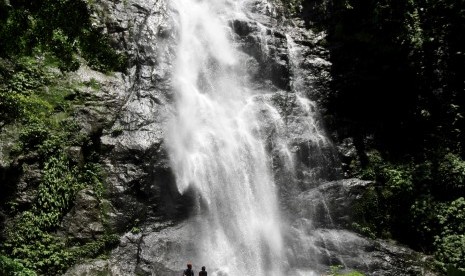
column 335, row 271
column 45, row 131
column 417, row 205
column 398, row 84
column 14, row 268
column 396, row 74
column 59, row 27
column 40, row 41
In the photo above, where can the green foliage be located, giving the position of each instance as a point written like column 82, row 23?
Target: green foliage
column 56, row 192
column 33, row 135
column 17, row 91
column 452, row 271
column 29, row 240
column 452, row 217
column 35, row 248
column 62, row 28
column 13, row 268
column 407, row 206
column 36, row 38
column 30, row 92
column 335, row 271
column 369, row 172
column 451, row 173
column 424, row 220
column 451, row 250
column 370, row 219
column 399, row 62
column 93, row 83
column 29, row 237
column 398, row 180
column 96, row 248
column 355, row 273
column 397, row 90
column 34, row 98
column 382, row 210
column 96, row 50
column 450, row 241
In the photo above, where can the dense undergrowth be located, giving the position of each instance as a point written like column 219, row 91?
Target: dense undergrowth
column 40, row 41
column 39, row 122
column 419, row 204
column 398, row 84
column 398, row 94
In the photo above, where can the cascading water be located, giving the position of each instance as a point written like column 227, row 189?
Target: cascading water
column 219, row 144
column 214, row 147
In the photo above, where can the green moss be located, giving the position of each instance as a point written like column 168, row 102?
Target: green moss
column 335, row 271
column 93, row 83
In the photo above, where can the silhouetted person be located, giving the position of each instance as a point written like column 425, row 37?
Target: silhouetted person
column 188, row 271
column 203, row 272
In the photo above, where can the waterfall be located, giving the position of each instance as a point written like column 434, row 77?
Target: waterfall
column 219, row 143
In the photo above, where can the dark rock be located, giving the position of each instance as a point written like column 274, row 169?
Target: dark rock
column 320, row 216
column 129, row 113
column 332, row 204
column 75, row 155
column 330, row 247
column 157, row 240
column 268, row 48
column 84, row 222
column 27, row 183
column 9, row 177
column 348, row 153
column 96, row 267
column 241, row 28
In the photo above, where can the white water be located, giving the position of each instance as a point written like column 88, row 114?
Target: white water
column 217, row 149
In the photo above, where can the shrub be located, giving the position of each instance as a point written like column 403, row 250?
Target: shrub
column 13, row 268
column 451, row 176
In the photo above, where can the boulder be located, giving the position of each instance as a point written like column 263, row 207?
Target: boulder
column 84, row 223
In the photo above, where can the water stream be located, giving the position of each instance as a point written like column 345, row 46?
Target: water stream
column 219, row 143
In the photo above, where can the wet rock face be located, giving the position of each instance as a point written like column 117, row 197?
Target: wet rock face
column 331, row 205
column 97, row 267
column 332, row 247
column 267, row 52
column 285, row 57
column 320, row 217
column 131, row 128
column 139, row 178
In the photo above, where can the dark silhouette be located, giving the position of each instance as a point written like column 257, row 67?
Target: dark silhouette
column 203, row 272
column 188, row 271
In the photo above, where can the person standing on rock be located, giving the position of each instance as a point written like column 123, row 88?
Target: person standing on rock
column 188, row 271
column 203, row 272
